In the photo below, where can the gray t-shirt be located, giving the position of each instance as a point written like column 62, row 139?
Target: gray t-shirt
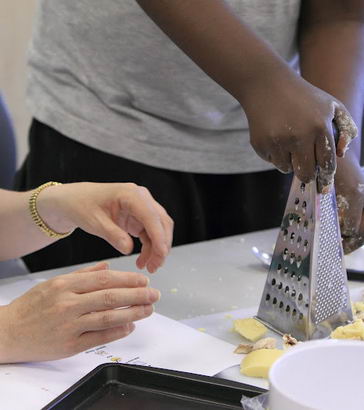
column 102, row 73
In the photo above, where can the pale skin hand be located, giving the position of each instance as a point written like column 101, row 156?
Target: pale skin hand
column 72, row 313
column 114, row 212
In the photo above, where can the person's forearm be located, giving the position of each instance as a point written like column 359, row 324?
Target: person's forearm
column 215, row 39
column 19, row 234
column 331, row 43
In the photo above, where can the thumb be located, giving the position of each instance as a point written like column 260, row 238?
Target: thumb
column 347, row 129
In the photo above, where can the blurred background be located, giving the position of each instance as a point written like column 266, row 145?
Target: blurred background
column 15, row 31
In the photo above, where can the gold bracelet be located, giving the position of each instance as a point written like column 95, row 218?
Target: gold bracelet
column 37, row 218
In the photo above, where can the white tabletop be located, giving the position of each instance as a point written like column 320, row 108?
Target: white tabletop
column 205, row 277
column 197, row 283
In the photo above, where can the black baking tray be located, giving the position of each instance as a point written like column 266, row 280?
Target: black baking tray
column 133, row 387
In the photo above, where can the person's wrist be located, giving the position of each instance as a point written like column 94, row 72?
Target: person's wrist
column 269, row 78
column 52, row 207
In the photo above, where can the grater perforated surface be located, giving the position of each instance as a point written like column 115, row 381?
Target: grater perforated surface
column 306, row 291
column 330, row 280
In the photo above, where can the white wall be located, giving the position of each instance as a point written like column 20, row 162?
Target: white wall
column 15, row 30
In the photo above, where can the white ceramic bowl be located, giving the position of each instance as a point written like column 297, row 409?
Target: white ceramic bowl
column 319, row 375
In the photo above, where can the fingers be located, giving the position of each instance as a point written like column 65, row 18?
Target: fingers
column 107, row 326
column 158, row 254
column 296, row 153
column 131, row 211
column 158, row 231
column 319, row 161
column 168, row 224
column 91, row 339
column 94, row 268
column 326, row 161
column 145, row 254
column 304, row 164
column 349, row 215
column 112, row 233
column 282, row 160
column 148, row 257
column 85, row 282
column 151, row 220
column 351, row 244
column 114, row 318
column 116, row 298
column 354, row 243
column 351, row 218
column 347, row 129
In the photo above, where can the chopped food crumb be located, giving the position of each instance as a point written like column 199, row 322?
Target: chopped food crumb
column 289, row 341
column 266, row 343
column 359, row 315
column 359, row 307
column 243, row 348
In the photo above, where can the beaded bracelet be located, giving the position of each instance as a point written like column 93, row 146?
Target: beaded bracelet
column 37, row 218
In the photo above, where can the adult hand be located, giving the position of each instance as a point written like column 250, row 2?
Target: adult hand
column 114, row 212
column 72, row 313
column 349, row 185
column 351, row 243
column 290, row 124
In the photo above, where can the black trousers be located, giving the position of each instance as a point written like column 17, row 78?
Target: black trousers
column 203, row 206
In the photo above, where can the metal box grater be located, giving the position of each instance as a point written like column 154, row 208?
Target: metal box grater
column 306, row 292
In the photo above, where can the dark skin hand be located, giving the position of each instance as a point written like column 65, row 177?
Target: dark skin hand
column 290, row 120
column 332, row 32
column 290, row 117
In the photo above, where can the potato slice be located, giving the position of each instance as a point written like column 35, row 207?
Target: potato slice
column 250, row 328
column 359, row 307
column 258, row 362
column 352, row 331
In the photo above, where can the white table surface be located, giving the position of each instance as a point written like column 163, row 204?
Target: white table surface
column 203, row 278
column 200, row 281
